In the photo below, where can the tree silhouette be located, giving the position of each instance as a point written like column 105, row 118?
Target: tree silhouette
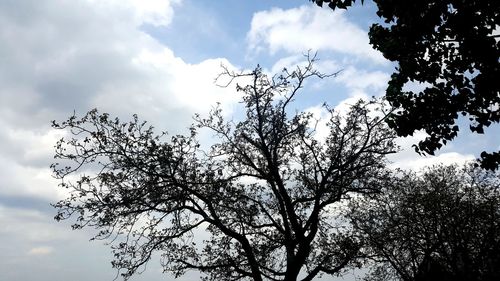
column 451, row 49
column 263, row 193
column 441, row 225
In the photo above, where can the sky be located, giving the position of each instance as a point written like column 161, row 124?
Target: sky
column 157, row 59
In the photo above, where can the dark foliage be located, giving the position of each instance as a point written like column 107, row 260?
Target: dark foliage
column 441, row 225
column 263, row 195
column 334, row 4
column 450, row 48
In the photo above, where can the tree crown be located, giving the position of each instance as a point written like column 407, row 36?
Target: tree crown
column 451, row 50
column 263, row 193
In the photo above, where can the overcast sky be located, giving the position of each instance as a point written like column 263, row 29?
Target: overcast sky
column 156, row 58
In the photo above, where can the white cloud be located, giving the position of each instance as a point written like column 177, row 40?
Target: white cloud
column 289, row 62
column 319, row 115
column 40, row 251
column 308, row 27
column 361, row 80
column 322, row 115
column 155, row 12
column 65, row 56
column 418, row 163
column 82, row 54
column 407, row 158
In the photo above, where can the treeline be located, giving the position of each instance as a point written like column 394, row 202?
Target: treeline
column 440, row 224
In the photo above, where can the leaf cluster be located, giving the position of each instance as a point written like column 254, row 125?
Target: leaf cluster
column 450, row 49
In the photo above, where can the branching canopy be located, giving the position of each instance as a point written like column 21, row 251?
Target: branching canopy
column 263, row 193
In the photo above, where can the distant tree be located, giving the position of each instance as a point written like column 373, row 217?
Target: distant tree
column 262, row 196
column 441, row 225
column 450, row 48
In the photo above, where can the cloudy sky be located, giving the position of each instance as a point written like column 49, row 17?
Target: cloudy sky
column 156, row 58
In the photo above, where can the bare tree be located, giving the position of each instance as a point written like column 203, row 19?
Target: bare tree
column 263, row 193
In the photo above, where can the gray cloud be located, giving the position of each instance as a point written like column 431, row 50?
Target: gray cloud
column 57, row 57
